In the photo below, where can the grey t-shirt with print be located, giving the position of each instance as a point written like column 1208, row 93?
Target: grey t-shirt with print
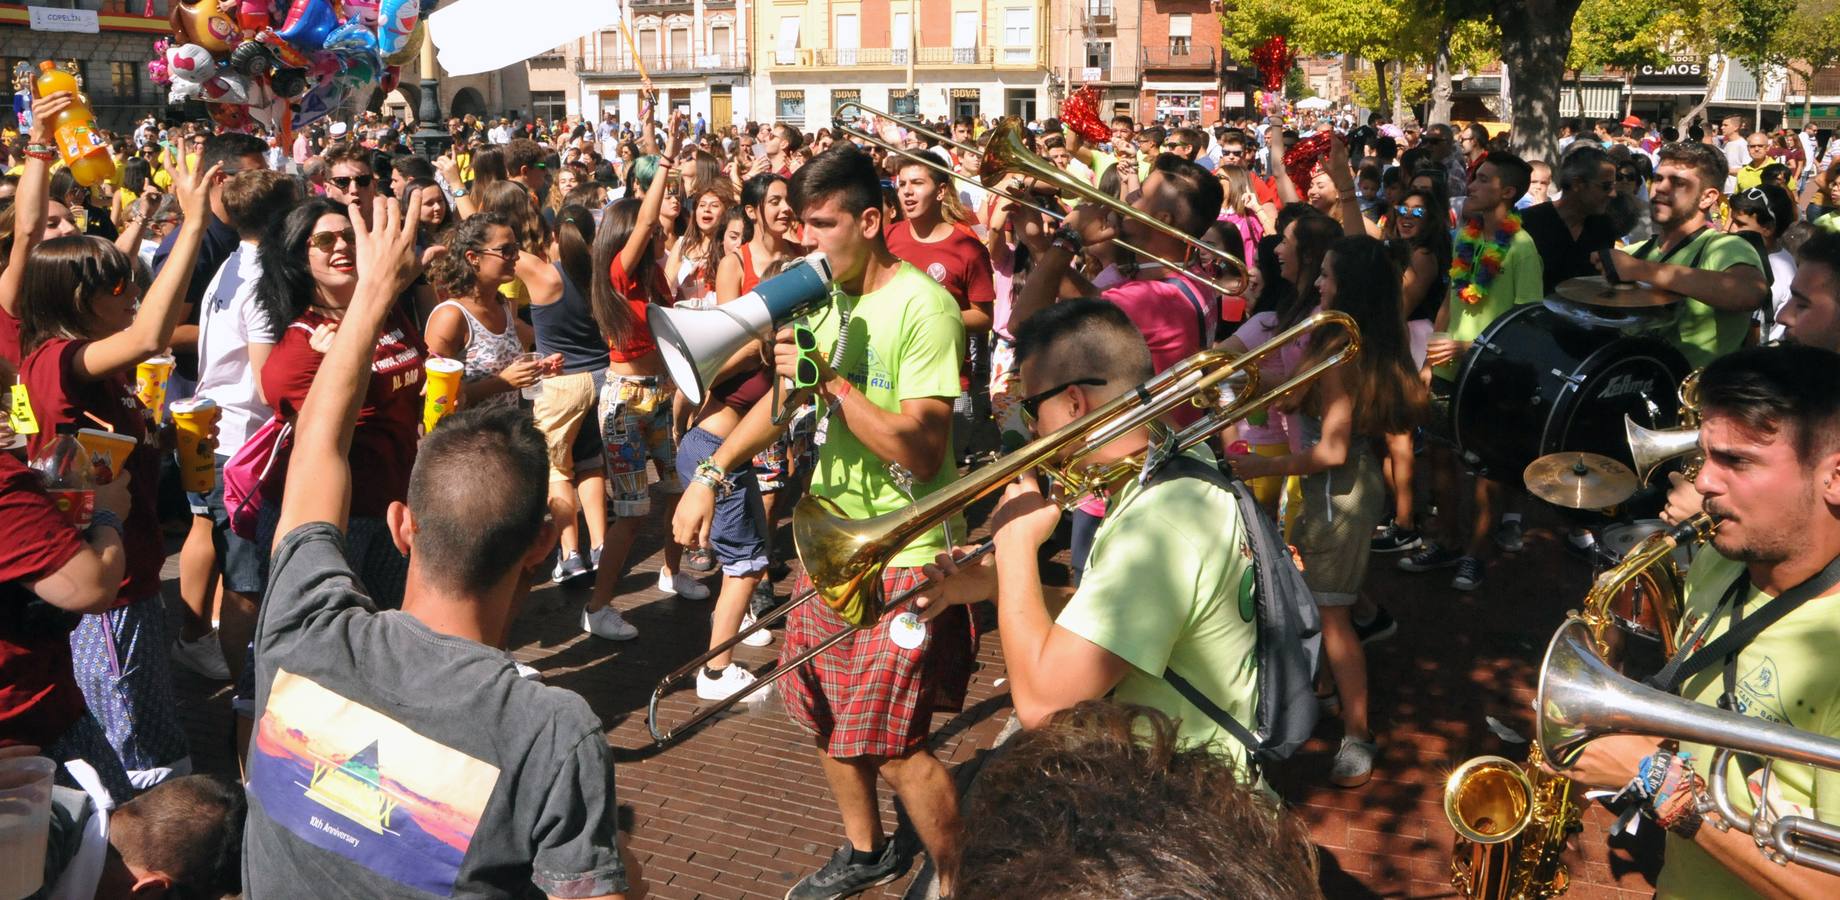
column 392, row 761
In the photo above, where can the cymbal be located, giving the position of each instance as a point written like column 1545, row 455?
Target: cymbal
column 1579, row 480
column 1595, row 290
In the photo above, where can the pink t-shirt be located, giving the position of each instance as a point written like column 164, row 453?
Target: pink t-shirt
column 1267, row 427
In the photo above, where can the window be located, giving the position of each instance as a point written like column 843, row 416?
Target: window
column 1019, row 103
column 901, row 37
column 647, row 42
column 1099, row 9
column 848, row 39
column 124, row 79
column 550, row 106
column 722, row 43
column 680, row 49
column 904, row 103
column 791, row 106
column 785, row 50
column 1181, row 28
column 1018, row 35
column 840, row 96
column 964, row 37
column 1099, row 55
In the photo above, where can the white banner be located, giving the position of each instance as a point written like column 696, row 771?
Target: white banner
column 473, row 36
column 83, row 21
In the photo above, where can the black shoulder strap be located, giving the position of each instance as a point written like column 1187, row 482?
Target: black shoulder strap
column 1194, row 300
column 1687, row 661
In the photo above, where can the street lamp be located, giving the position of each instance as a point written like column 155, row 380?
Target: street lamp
column 431, row 139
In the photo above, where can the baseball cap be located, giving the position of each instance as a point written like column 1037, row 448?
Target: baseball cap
column 1632, row 122
column 337, row 130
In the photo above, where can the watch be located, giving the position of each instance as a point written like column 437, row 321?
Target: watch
column 457, row 193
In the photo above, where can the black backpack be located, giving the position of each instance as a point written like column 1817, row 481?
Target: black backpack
column 1289, row 630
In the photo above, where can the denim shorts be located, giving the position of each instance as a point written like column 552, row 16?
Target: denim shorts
column 244, row 565
column 734, row 535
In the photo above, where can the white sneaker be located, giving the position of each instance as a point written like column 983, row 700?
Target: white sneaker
column 608, row 623
column 734, row 678
column 204, row 656
column 682, row 585
column 759, row 638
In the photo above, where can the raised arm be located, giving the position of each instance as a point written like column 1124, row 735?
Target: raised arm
column 647, row 219
column 319, row 470
column 165, row 301
column 32, row 202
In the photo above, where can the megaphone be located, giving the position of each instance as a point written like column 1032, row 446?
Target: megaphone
column 696, row 343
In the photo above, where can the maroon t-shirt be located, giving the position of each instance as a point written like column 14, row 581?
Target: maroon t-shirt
column 383, row 444
column 39, row 698
column 959, row 262
column 58, row 396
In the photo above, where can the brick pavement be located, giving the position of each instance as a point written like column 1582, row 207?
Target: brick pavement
column 740, row 809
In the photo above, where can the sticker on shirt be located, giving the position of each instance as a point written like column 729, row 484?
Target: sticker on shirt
column 348, row 779
column 937, row 271
column 907, row 631
column 1759, row 693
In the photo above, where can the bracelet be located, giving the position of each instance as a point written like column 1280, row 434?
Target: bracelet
column 1674, row 790
column 103, row 518
column 44, row 152
column 1067, row 239
column 838, row 394
column 711, row 476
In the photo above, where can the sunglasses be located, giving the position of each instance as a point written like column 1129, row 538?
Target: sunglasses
column 506, row 252
column 805, row 372
column 1031, row 405
column 324, row 241
column 1628, row 176
column 344, row 182
column 1416, row 212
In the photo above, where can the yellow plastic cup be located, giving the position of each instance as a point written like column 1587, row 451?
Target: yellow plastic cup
column 108, row 452
column 192, row 420
column 150, row 378
column 443, row 395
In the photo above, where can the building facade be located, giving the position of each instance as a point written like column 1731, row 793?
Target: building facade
column 111, row 58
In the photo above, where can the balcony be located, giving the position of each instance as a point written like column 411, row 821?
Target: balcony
column 1194, row 59
column 886, row 57
column 1116, row 73
column 662, row 6
column 657, row 64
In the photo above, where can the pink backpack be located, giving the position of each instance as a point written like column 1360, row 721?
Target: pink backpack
column 248, row 472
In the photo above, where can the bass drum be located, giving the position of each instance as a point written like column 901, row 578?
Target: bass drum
column 1547, row 377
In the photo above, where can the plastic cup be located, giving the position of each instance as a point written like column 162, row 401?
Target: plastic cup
column 108, row 452
column 443, row 394
column 25, row 823
column 150, row 379
column 192, row 420
column 535, row 390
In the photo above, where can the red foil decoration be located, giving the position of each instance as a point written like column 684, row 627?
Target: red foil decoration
column 1302, row 157
column 1081, row 113
column 1274, row 60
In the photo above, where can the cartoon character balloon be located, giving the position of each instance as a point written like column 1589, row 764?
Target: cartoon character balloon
column 205, row 23
column 190, row 64
column 307, row 24
column 396, row 21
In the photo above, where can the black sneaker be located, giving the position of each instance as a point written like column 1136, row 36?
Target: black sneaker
column 842, row 878
column 1429, row 557
column 1469, row 574
column 1395, row 539
column 763, row 601
column 1382, row 627
column 1509, row 536
column 572, row 568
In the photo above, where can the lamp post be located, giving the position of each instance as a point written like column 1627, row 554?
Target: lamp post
column 431, row 139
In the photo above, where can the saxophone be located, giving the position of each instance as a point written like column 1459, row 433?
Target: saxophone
column 1512, row 819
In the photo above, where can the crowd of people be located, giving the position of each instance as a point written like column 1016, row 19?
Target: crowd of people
column 361, row 595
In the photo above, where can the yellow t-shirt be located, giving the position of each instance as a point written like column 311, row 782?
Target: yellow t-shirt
column 1784, row 676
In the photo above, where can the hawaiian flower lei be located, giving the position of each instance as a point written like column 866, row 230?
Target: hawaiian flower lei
column 1477, row 261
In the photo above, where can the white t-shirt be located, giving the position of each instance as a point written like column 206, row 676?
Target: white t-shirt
column 1782, row 271
column 1737, row 156
column 229, row 320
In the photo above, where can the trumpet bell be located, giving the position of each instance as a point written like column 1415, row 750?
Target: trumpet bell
column 1488, row 800
column 1650, row 448
column 844, row 557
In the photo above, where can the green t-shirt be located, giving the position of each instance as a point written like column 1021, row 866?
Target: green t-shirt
column 906, row 341
column 1784, row 676
column 1169, row 585
column 1519, row 281
column 1704, row 333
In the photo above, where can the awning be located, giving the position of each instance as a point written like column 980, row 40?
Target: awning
column 1665, row 90
column 1181, row 86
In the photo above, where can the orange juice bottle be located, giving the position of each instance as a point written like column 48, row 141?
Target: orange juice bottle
column 79, row 143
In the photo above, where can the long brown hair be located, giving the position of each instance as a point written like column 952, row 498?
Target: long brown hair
column 1388, row 396
column 511, row 201
column 611, row 310
column 63, row 277
column 574, row 245
column 488, row 166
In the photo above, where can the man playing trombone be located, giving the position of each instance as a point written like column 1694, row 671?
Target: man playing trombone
column 1169, row 584
column 1770, row 433
column 888, row 384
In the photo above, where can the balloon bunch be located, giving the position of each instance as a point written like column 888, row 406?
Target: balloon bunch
column 1274, row 60
column 283, row 64
column 1081, row 113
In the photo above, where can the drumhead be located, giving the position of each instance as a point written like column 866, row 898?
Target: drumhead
column 1538, row 382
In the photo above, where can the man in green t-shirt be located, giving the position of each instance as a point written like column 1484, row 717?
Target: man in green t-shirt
column 1770, row 433
column 1720, row 274
column 1168, row 586
column 888, row 385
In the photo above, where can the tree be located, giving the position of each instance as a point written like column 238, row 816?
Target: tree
column 1812, row 39
column 1626, row 35
column 1536, row 40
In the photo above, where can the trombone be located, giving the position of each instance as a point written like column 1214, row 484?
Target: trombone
column 1005, row 154
column 845, row 557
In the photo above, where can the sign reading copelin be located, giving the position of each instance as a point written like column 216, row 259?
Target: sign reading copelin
column 1679, row 71
column 79, row 20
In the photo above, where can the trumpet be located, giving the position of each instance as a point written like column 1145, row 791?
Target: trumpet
column 845, row 557
column 1005, row 155
column 1651, row 448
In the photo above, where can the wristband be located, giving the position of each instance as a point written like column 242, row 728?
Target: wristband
column 842, row 389
column 43, row 152
column 711, row 476
column 103, row 518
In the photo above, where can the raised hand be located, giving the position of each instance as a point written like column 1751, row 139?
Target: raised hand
column 193, row 188
column 386, row 248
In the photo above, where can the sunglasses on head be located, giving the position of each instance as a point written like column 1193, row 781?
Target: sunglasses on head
column 1031, row 405
column 1763, row 213
column 324, row 241
column 344, row 182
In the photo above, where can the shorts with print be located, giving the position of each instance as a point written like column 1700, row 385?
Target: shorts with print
column 635, row 417
column 868, row 696
column 567, row 403
column 773, row 467
column 1006, row 395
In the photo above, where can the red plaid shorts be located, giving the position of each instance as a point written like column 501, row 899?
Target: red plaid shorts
column 867, row 696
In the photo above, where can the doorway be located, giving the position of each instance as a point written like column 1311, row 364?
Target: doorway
column 721, row 106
